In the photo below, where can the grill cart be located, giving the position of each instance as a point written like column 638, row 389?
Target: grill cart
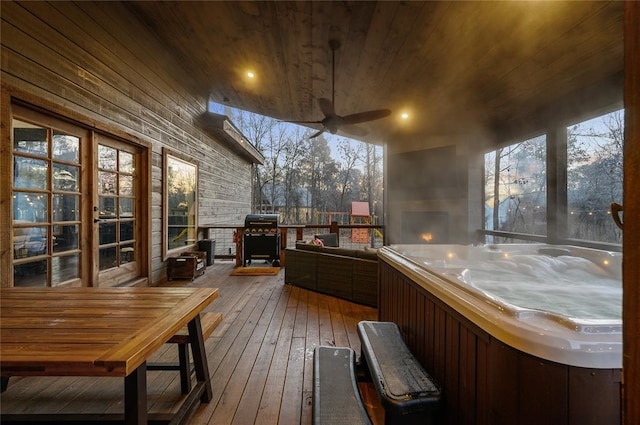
column 261, row 238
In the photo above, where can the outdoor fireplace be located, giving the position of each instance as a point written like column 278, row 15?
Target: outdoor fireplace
column 420, row 227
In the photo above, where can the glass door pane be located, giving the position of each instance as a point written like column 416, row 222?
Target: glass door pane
column 46, row 204
column 116, row 211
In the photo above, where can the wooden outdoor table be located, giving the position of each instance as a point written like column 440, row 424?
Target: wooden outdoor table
column 101, row 332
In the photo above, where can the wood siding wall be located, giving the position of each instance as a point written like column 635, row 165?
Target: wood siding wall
column 56, row 57
column 486, row 382
column 631, row 235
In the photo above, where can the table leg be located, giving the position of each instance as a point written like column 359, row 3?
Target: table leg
column 135, row 396
column 200, row 358
column 185, row 368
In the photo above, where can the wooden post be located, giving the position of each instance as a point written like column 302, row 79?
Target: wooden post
column 334, row 229
column 631, row 232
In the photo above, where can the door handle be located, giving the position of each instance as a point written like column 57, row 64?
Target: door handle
column 616, row 209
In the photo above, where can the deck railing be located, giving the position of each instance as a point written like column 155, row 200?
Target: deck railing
column 356, row 236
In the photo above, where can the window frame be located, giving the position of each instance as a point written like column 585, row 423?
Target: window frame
column 556, row 169
column 167, row 155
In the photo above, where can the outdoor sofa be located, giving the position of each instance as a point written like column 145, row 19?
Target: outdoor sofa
column 351, row 274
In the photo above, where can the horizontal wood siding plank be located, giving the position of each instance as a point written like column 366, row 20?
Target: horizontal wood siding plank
column 64, row 57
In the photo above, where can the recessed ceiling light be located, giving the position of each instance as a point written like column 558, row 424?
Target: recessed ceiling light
column 250, row 74
column 404, row 116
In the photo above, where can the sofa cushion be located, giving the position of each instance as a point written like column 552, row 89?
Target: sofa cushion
column 329, row 239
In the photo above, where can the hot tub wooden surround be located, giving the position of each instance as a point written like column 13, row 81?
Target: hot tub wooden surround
column 485, row 381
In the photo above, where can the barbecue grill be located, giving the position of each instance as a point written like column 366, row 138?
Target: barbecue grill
column 261, row 238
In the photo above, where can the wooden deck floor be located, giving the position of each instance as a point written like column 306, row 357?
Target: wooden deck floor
column 260, row 358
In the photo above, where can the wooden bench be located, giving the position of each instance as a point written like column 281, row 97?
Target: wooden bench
column 209, row 322
column 407, row 392
column 336, row 397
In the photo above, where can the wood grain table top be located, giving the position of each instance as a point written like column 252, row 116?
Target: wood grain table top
column 90, row 331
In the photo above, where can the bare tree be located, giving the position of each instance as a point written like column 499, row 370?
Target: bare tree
column 321, row 171
column 256, row 128
column 292, row 178
column 595, row 176
column 351, row 155
column 300, row 177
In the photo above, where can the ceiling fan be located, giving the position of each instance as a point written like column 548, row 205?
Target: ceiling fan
column 333, row 122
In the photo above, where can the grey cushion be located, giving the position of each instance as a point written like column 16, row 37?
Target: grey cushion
column 329, row 239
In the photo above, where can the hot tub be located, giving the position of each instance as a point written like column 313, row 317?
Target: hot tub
column 512, row 332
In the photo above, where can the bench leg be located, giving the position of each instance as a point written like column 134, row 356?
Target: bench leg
column 185, row 368
column 362, row 369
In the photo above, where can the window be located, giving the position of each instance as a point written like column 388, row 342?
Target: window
column 46, row 204
column 594, row 177
column 515, row 188
column 180, row 203
column 516, row 192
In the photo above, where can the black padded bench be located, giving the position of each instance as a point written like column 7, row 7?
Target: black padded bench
column 209, row 322
column 407, row 392
column 336, row 397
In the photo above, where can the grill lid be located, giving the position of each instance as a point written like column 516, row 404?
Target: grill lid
column 262, row 221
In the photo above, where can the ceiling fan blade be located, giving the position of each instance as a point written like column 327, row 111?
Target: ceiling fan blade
column 317, row 134
column 333, row 122
column 366, row 116
column 326, row 106
column 354, row 130
column 302, row 122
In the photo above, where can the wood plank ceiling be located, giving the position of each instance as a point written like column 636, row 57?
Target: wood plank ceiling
column 452, row 65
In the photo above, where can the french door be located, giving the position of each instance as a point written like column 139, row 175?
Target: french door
column 117, row 208
column 76, row 201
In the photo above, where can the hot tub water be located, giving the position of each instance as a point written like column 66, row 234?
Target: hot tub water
column 563, row 284
column 571, row 286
